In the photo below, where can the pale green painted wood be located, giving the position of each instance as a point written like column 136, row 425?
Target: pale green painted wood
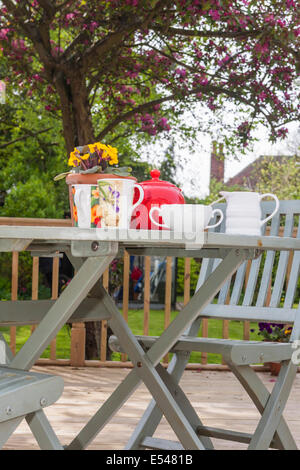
column 268, row 266
column 260, row 395
column 22, row 392
column 61, row 311
column 42, row 431
column 282, row 265
column 32, row 312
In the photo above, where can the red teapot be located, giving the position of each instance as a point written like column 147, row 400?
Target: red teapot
column 156, row 193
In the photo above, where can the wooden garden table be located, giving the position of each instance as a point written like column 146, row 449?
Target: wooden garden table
column 91, row 251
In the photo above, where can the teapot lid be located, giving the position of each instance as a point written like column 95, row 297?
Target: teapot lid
column 155, row 174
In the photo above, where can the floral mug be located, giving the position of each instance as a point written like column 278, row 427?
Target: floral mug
column 116, row 202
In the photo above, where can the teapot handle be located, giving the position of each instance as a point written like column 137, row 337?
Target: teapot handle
column 276, row 207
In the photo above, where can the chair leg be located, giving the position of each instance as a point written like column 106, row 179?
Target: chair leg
column 6, row 355
column 260, row 397
column 152, row 416
column 7, row 428
column 272, row 414
column 184, row 404
column 42, row 431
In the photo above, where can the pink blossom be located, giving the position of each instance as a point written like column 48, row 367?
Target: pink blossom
column 204, row 81
column 290, row 3
column 70, row 16
column 270, row 19
column 282, row 132
column 262, row 96
column 261, row 48
column 214, row 14
column 3, row 33
column 181, row 72
column 37, row 77
column 281, row 23
column 94, row 25
column 164, row 124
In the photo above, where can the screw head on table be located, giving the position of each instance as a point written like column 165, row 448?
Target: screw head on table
column 43, row 401
column 8, row 410
column 95, row 246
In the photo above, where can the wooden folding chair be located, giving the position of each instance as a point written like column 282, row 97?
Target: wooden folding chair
column 263, row 289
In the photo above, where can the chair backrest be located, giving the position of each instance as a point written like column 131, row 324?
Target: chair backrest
column 270, row 281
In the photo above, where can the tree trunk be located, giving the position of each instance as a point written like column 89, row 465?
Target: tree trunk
column 66, row 111
column 76, row 113
column 78, row 130
column 81, row 112
column 92, row 340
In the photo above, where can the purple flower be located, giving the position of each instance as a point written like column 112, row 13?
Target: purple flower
column 265, row 326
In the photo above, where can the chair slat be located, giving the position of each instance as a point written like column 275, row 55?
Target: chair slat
column 238, row 285
column 250, row 290
column 268, row 266
column 293, row 281
column 205, row 271
column 282, row 265
column 294, row 277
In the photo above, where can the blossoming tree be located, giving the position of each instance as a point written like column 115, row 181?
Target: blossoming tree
column 117, row 66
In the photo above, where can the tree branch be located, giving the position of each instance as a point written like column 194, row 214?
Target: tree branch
column 207, row 34
column 103, row 46
column 145, row 106
column 24, row 137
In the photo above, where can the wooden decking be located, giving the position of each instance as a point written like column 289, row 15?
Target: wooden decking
column 216, row 395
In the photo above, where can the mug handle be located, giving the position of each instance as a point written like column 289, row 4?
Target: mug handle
column 218, row 200
column 140, row 199
column 215, row 211
column 262, row 222
column 155, row 208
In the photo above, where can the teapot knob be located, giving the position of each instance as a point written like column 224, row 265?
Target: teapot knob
column 155, row 174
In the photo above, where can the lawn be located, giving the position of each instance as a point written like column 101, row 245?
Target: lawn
column 135, row 320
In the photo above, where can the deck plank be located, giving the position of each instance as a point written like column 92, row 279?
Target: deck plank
column 86, row 388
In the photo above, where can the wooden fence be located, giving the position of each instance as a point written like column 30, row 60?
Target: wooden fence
column 77, row 349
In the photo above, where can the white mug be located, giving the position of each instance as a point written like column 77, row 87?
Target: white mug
column 185, row 218
column 82, row 209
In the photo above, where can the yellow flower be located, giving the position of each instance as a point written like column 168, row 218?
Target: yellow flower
column 73, row 158
column 288, row 330
column 113, row 154
column 108, row 153
column 92, row 148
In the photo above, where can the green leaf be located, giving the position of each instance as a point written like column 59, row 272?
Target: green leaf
column 94, row 169
column 122, row 171
column 61, row 176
